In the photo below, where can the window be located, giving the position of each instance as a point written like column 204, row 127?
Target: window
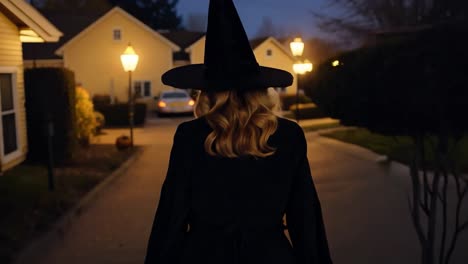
column 8, row 114
column 269, row 52
column 117, row 34
column 142, row 89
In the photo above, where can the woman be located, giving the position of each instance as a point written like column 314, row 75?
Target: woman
column 237, row 169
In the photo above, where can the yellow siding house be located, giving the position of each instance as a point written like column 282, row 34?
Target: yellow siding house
column 268, row 51
column 19, row 22
column 94, row 56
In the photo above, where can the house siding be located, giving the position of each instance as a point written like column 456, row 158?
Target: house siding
column 197, row 51
column 11, row 57
column 95, row 57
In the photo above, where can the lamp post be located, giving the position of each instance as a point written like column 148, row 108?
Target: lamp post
column 129, row 62
column 300, row 67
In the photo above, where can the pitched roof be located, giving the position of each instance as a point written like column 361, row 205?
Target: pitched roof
column 119, row 10
column 25, row 15
column 183, row 39
column 254, row 43
column 69, row 24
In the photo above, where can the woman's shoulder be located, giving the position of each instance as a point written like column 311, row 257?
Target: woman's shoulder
column 288, row 126
column 193, row 126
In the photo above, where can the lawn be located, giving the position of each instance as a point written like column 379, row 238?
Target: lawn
column 28, row 208
column 396, row 148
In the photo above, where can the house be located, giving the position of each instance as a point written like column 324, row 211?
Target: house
column 37, row 55
column 94, row 55
column 19, row 22
column 268, row 51
column 183, row 39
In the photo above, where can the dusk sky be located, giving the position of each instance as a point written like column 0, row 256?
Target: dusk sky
column 288, row 15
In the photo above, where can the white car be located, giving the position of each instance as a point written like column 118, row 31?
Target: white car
column 174, row 102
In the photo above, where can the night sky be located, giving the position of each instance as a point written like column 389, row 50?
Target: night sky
column 287, row 15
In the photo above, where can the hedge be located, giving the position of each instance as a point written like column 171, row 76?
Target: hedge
column 117, row 114
column 307, row 111
column 400, row 87
column 50, row 95
column 290, row 99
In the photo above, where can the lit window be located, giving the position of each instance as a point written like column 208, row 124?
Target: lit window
column 269, row 52
column 117, row 34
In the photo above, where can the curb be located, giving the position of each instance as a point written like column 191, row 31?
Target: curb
column 58, row 230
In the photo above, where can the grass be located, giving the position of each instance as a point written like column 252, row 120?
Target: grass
column 397, row 148
column 28, row 208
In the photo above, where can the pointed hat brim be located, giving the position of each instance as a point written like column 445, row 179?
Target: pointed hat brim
column 194, row 76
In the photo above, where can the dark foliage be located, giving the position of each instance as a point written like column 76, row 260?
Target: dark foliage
column 361, row 17
column 50, row 95
column 289, row 99
column 417, row 83
column 117, row 114
column 308, row 112
column 158, row 14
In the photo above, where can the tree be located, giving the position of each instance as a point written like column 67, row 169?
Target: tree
column 359, row 17
column 411, row 85
column 196, row 22
column 90, row 7
column 158, row 14
column 268, row 29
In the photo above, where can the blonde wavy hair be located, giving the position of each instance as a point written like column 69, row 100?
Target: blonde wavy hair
column 242, row 122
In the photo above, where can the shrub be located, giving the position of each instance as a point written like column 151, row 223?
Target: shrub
column 307, row 111
column 50, row 96
column 117, row 114
column 85, row 118
column 289, row 99
column 100, row 120
column 101, row 100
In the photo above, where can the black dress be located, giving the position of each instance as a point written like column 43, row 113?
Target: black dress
column 215, row 210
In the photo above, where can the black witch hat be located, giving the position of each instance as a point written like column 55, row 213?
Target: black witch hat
column 230, row 63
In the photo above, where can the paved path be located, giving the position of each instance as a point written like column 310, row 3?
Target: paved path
column 364, row 206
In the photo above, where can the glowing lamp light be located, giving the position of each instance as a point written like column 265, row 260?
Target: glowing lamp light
column 308, row 66
column 129, row 59
column 302, row 68
column 297, row 47
column 298, row 68
column 162, row 104
column 336, row 63
column 191, row 103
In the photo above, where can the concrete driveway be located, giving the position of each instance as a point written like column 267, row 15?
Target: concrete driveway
column 364, row 205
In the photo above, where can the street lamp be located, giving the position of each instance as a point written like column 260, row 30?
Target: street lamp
column 129, row 62
column 300, row 67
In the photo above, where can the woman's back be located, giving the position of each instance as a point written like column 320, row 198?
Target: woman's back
column 233, row 208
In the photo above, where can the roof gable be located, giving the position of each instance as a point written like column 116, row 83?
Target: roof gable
column 258, row 42
column 23, row 14
column 122, row 12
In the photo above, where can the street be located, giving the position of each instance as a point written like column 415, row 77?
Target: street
column 364, row 205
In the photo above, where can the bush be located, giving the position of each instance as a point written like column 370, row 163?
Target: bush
column 85, row 118
column 289, row 99
column 100, row 121
column 50, row 96
column 101, row 100
column 307, row 111
column 117, row 114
